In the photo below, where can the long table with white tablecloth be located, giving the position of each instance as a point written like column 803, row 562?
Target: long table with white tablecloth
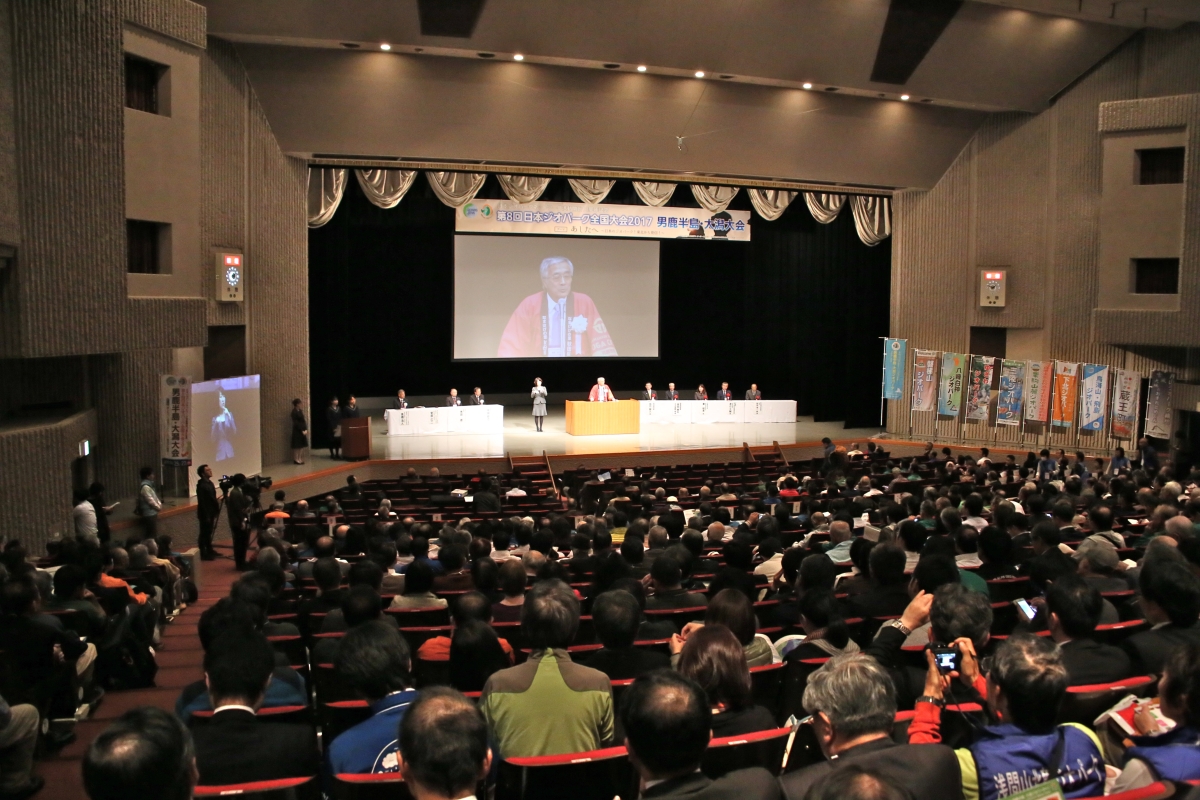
column 702, row 412
column 444, row 419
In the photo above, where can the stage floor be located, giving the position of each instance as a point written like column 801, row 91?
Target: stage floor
column 520, row 438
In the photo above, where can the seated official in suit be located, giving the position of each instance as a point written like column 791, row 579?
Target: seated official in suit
column 667, row 723
column 649, row 393
column 723, row 393
column 443, row 744
column 616, row 616
column 476, row 398
column 453, row 400
column 671, row 394
column 1074, row 610
column 753, row 393
column 853, row 703
column 1170, row 599
column 401, row 400
column 234, row 746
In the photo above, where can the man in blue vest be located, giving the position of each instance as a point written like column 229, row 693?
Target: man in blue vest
column 1024, row 689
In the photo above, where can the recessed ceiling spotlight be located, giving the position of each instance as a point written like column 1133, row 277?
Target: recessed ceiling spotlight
column 903, row 97
column 699, row 73
column 641, row 68
column 808, row 86
column 518, row 57
column 612, row 66
column 385, row 46
column 486, row 55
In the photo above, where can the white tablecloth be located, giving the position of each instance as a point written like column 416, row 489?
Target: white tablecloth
column 444, row 419
column 702, row 412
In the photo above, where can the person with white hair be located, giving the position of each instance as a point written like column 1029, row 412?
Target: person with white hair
column 600, row 393
column 556, row 322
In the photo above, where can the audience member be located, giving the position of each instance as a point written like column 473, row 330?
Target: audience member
column 512, row 585
column 853, row 703
column 514, row 700
column 18, row 738
column 714, row 659
column 667, row 722
column 825, row 631
column 616, row 616
column 443, row 743
column 666, row 576
column 888, row 594
column 856, row 783
column 1170, row 599
column 418, row 585
column 145, row 754
column 1074, row 610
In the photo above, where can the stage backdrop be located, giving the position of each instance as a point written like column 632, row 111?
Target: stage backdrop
column 799, row 310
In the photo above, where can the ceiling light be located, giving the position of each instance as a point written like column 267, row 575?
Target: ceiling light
column 808, row 86
column 699, row 73
column 642, row 68
column 903, row 97
column 385, row 47
column 518, row 57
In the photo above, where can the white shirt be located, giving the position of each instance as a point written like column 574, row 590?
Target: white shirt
column 556, row 336
column 85, row 518
column 515, row 492
column 770, row 567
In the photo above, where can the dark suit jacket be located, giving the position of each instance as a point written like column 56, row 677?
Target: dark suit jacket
column 879, row 601
column 743, row 784
column 651, row 395
column 472, row 400
column 1148, row 650
column 400, row 403
column 753, row 395
column 670, row 395
column 207, row 507
column 453, row 401
column 698, row 396
column 675, row 598
column 1089, row 662
column 236, row 747
column 627, row 663
column 349, row 412
column 926, row 770
column 722, row 394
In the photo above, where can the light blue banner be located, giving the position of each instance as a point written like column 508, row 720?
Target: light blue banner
column 895, row 358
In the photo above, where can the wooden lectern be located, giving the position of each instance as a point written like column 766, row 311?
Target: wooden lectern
column 589, row 419
column 356, row 438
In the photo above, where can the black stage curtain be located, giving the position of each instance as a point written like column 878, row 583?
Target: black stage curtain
column 798, row 310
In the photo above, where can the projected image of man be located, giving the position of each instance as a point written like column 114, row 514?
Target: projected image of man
column 556, row 322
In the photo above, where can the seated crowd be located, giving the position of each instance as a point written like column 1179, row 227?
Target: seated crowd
column 919, row 629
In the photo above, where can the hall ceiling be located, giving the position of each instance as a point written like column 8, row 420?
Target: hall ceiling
column 897, row 87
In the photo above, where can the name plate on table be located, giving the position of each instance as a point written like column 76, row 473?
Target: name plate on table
column 717, row 411
column 665, row 412
column 445, row 419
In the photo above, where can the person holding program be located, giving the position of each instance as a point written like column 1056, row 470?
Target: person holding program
column 538, row 393
column 556, row 322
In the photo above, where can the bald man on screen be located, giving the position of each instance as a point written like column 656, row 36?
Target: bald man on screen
column 556, row 322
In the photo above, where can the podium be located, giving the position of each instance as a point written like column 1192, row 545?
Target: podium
column 356, row 438
column 591, row 419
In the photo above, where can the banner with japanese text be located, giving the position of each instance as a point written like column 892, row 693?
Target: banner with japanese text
column 895, row 357
column 950, row 387
column 580, row 219
column 924, row 382
column 979, row 387
column 1066, row 388
column 1159, row 413
column 1095, row 397
column 1037, row 391
column 175, row 420
column 1011, row 397
column 1126, row 404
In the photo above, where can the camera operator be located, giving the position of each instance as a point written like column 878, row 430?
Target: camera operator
column 238, row 504
column 208, row 511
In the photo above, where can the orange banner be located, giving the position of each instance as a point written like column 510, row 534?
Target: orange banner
column 1066, row 387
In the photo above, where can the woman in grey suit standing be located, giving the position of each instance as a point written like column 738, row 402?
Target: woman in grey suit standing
column 538, row 393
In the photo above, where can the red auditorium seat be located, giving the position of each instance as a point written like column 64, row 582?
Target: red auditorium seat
column 593, row 775
column 380, row 786
column 282, row 789
column 1155, row 791
column 1084, row 703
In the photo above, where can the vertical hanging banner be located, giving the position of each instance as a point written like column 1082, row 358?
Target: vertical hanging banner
column 1037, row 391
column 1095, row 397
column 924, row 382
column 951, row 385
column 895, row 356
column 175, row 420
column 979, row 391
column 1012, row 393
column 1127, row 389
column 1062, row 407
column 1159, row 413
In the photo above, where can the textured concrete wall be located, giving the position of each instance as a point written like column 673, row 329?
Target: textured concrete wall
column 37, row 495
column 1026, row 194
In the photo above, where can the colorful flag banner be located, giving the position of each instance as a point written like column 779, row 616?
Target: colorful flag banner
column 924, row 382
column 895, row 357
column 1066, row 379
column 1095, row 397
column 1159, row 413
column 175, row 420
column 951, row 386
column 1012, row 393
column 979, row 391
column 1127, row 389
column 1037, row 391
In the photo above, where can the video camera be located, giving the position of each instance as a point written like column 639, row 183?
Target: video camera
column 251, row 487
